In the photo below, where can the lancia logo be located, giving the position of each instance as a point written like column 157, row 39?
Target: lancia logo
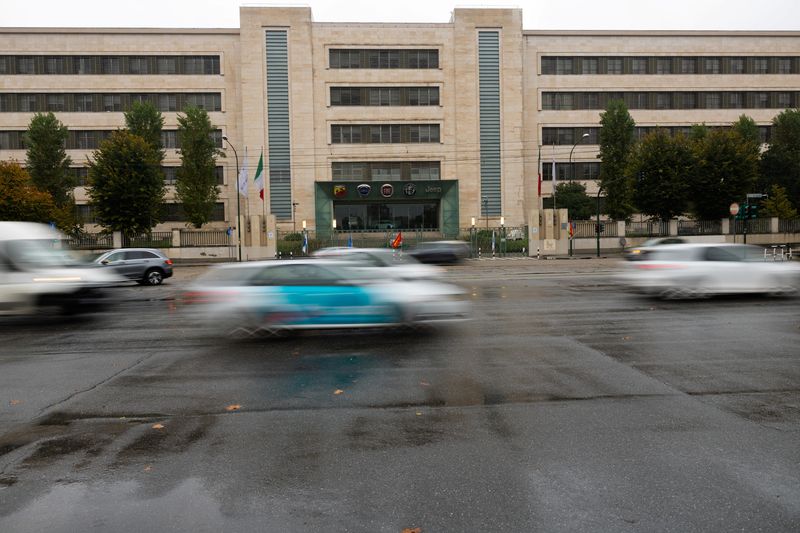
column 387, row 190
column 339, row 190
column 410, row 189
column 364, row 190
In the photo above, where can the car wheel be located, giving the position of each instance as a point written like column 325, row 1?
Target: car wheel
column 153, row 277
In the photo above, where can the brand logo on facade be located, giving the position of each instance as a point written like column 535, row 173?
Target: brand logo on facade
column 339, row 191
column 364, row 190
column 410, row 189
column 433, row 189
column 387, row 190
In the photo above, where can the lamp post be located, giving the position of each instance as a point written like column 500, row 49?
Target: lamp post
column 238, row 206
column 486, row 211
column 305, row 237
column 294, row 218
column 473, row 241
column 502, row 236
column 571, row 170
column 597, row 226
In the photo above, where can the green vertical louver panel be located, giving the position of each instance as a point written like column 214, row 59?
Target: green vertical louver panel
column 278, row 149
column 489, row 103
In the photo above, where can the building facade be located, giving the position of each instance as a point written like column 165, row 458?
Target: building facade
column 426, row 127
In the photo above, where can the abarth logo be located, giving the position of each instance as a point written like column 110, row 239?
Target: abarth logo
column 339, row 191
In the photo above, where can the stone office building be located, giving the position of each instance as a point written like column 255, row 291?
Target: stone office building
column 375, row 126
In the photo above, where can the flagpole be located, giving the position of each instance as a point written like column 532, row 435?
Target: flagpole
column 264, row 199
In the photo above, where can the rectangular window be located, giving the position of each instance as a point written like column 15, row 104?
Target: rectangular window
column 112, row 102
column 85, row 140
column 688, row 65
column 711, row 65
column 784, row 100
column 735, row 100
column 713, row 100
column 784, row 65
column 614, row 65
column 345, row 134
column 167, row 102
column 193, row 65
column 384, row 96
column 138, row 65
column 663, row 65
column 170, row 175
column 84, row 102
column 591, row 100
column 564, row 65
column 26, row 65
column 56, row 102
column 736, row 65
column 26, row 103
column 5, row 103
column 760, row 65
column 83, row 65
column 349, row 171
column 167, row 65
column 169, row 139
column 384, row 133
column 548, row 65
column 565, row 101
column 54, row 65
column 422, row 59
column 423, row 133
column 111, row 65
column 5, row 64
column 663, row 101
column 423, row 96
column 425, row 170
column 85, row 213
column 639, row 65
column 688, row 100
column 589, row 65
column 760, row 100
column 385, row 172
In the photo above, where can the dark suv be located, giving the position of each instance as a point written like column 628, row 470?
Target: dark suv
column 144, row 265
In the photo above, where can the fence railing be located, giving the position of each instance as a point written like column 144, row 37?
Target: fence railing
column 191, row 238
column 155, row 239
column 753, row 225
column 789, row 226
column 589, row 228
column 651, row 228
column 92, row 241
column 699, row 227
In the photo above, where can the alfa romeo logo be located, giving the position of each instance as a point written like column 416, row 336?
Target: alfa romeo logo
column 387, row 190
column 410, row 189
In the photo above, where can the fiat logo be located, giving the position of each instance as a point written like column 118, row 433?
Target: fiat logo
column 387, row 190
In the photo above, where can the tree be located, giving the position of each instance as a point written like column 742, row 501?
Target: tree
column 126, row 184
column 616, row 143
column 780, row 164
column 747, row 129
column 572, row 196
column 147, row 122
column 725, row 170
column 19, row 199
column 47, row 160
column 778, row 204
column 661, row 166
column 196, row 185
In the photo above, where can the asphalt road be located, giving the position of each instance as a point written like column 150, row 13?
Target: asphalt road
column 563, row 405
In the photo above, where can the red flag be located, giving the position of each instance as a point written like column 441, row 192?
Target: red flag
column 398, row 241
column 540, row 184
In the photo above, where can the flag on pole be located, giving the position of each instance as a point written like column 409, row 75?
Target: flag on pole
column 398, row 240
column 305, row 243
column 259, row 179
column 350, row 241
column 555, row 175
column 492, row 242
column 243, row 176
column 539, row 170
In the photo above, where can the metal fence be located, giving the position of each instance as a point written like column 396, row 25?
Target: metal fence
column 155, row 239
column 191, row 238
column 699, row 227
column 789, row 226
column 753, row 225
column 590, row 228
column 650, row 228
column 92, row 241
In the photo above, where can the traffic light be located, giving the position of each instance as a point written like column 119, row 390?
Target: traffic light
column 745, row 212
column 753, row 211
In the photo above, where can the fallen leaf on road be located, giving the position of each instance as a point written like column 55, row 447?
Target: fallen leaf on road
column 338, row 391
column 626, row 338
column 419, row 414
column 233, row 407
column 412, row 530
column 158, row 426
column 15, row 402
column 148, row 468
column 424, row 383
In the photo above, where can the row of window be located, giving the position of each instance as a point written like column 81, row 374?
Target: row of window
column 380, row 58
column 384, row 96
column 81, row 175
column 169, row 213
column 571, row 135
column 386, row 171
column 384, row 133
column 572, row 171
column 116, row 64
column 670, row 65
column 100, row 102
column 673, row 100
column 91, row 139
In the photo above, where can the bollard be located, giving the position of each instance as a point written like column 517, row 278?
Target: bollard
column 291, row 255
column 479, row 252
column 537, row 253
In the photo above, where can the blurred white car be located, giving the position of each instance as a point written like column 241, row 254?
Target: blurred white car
column 699, row 270
column 37, row 274
column 393, row 263
column 310, row 294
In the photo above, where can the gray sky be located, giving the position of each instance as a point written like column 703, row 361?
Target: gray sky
column 538, row 14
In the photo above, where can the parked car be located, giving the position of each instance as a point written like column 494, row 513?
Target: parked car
column 146, row 266
column 634, row 254
column 37, row 273
column 275, row 296
column 700, row 270
column 440, row 252
column 392, row 263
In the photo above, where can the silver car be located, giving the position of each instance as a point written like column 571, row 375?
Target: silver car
column 146, row 266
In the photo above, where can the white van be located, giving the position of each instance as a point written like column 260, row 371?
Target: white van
column 37, row 274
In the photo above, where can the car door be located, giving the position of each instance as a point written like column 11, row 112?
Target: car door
column 135, row 264
column 116, row 261
column 727, row 272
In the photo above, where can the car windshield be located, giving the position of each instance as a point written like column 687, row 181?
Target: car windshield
column 32, row 254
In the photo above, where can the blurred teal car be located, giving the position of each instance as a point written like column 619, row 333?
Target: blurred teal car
column 311, row 294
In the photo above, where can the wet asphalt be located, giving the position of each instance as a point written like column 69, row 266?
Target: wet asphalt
column 565, row 404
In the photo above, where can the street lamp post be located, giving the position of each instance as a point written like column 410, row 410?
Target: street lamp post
column 294, row 217
column 238, row 206
column 571, row 170
column 597, row 226
column 473, row 239
column 486, row 211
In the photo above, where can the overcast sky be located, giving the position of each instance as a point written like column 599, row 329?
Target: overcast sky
column 538, row 14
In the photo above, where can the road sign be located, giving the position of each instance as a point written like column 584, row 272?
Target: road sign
column 734, row 209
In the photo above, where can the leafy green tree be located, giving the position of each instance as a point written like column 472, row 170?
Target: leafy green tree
column 698, row 132
column 196, row 185
column 616, row 142
column 126, row 184
column 572, row 196
column 778, row 204
column 19, row 199
column 780, row 164
column 747, row 129
column 725, row 170
column 661, row 166
column 47, row 160
column 146, row 121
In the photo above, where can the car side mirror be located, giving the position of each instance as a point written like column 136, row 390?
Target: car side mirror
column 104, row 262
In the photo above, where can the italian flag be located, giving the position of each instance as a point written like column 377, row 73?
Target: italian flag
column 259, row 179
